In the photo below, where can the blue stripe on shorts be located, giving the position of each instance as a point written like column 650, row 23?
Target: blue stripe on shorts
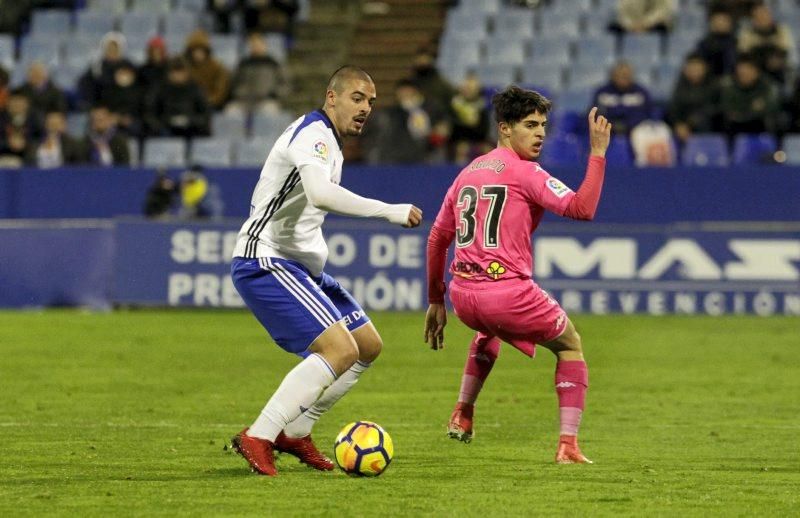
column 294, row 307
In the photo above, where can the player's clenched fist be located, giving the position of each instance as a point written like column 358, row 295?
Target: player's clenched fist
column 414, row 217
column 599, row 133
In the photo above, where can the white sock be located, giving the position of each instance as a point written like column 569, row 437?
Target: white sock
column 302, row 425
column 298, row 391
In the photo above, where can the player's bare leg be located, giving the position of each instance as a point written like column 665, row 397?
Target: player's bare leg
column 572, row 380
column 296, row 436
column 334, row 351
column 483, row 352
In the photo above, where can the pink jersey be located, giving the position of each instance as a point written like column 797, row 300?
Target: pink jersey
column 494, row 205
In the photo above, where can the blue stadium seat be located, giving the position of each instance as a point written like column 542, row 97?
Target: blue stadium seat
column 196, row 6
column 66, row 76
column 549, row 51
column 455, row 73
column 7, row 51
column 505, row 51
column 151, row 6
column 561, row 150
column 94, row 23
column 180, row 23
column 705, row 150
column 572, row 6
column 496, row 74
column 76, row 123
column 678, row 47
column 548, row 76
column 465, row 23
column 46, row 51
column 641, row 49
column 211, row 152
column 575, row 99
column 228, row 124
column 253, row 152
column 268, row 124
column 754, row 149
column 791, row 146
column 599, row 50
column 466, row 55
column 587, row 77
column 109, row 6
column 276, row 46
column 517, row 22
column 51, row 21
column 164, row 152
column 139, row 24
column 484, row 6
column 565, row 28
column 226, row 49
column 79, row 51
column 620, row 152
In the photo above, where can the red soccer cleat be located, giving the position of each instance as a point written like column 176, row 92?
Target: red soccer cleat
column 460, row 425
column 569, row 452
column 304, row 449
column 257, row 452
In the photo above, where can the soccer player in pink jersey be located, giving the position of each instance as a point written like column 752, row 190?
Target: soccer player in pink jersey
column 491, row 210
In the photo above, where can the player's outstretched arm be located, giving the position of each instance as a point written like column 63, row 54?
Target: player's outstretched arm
column 435, row 322
column 599, row 133
column 326, row 195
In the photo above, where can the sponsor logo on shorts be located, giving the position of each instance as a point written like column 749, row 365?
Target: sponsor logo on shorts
column 558, row 187
column 466, row 268
column 495, row 269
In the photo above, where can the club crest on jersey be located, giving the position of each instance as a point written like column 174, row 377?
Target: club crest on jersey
column 495, row 269
column 320, row 150
column 558, row 187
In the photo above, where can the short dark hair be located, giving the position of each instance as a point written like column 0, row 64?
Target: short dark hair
column 346, row 73
column 514, row 104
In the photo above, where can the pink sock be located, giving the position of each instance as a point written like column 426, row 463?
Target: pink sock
column 483, row 352
column 572, row 379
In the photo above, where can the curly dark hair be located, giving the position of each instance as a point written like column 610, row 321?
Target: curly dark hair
column 514, row 104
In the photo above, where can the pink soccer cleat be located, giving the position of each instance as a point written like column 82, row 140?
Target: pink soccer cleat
column 569, row 452
column 304, row 449
column 460, row 425
column 257, row 452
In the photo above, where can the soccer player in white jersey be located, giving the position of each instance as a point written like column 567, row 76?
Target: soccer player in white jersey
column 278, row 270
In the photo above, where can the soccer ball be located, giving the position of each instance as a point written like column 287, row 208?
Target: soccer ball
column 363, row 449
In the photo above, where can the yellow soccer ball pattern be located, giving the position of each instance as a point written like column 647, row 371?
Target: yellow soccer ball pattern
column 363, row 448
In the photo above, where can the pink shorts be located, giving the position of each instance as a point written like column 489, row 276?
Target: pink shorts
column 517, row 311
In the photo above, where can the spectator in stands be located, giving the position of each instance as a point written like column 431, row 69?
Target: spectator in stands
column 42, row 94
column 207, row 71
column 643, row 16
column 259, row 83
column 769, row 42
column 153, row 73
column 271, row 16
column 470, row 121
column 104, row 144
column 4, row 90
column 411, row 130
column 737, row 9
column 222, row 12
column 434, row 87
column 160, row 196
column 718, row 46
column 18, row 132
column 101, row 73
column 694, row 107
column 13, row 15
column 57, row 147
column 125, row 98
column 178, row 107
column 200, row 199
column 749, row 99
column 623, row 101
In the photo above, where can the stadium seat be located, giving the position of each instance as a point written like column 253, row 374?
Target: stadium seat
column 46, row 51
column 791, row 146
column 79, row 51
column 565, row 28
column 505, row 51
column 549, row 51
column 164, row 152
column 517, row 22
column 228, row 124
column 268, row 124
column 620, row 152
column 484, row 6
column 587, row 77
column 641, row 49
column 276, row 46
column 196, row 6
column 7, row 51
column 51, row 21
column 460, row 53
column 679, row 47
column 465, row 23
column 226, row 49
column 573, row 6
column 561, row 150
column 76, row 123
column 548, row 76
column 66, row 76
column 575, row 99
column 253, row 152
column 18, row 76
column 94, row 23
column 754, row 149
column 139, row 24
column 599, row 50
column 180, row 23
column 496, row 74
column 211, row 152
column 151, row 6
column 705, row 150
column 109, row 6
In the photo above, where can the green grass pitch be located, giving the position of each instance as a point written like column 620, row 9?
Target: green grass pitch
column 127, row 413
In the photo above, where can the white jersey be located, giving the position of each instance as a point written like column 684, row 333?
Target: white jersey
column 282, row 222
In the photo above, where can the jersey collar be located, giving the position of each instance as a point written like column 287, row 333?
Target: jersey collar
column 321, row 115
